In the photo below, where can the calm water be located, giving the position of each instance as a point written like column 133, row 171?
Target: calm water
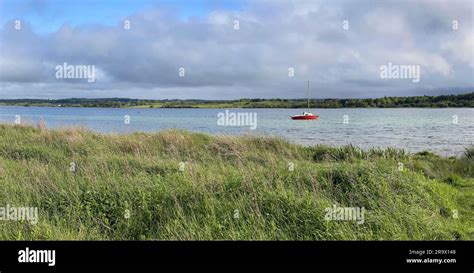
column 412, row 129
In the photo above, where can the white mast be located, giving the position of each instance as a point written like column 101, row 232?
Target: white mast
column 308, row 96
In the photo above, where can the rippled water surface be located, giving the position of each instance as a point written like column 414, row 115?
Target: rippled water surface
column 412, row 129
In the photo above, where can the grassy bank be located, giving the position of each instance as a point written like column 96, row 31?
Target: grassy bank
column 460, row 100
column 135, row 187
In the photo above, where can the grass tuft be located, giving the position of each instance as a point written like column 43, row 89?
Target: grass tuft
column 469, row 153
column 177, row 185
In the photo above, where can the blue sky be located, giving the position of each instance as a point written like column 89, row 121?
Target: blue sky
column 224, row 62
column 49, row 16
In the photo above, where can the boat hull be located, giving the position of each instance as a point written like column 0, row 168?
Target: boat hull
column 304, row 117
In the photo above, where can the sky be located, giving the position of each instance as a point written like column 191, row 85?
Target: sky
column 228, row 49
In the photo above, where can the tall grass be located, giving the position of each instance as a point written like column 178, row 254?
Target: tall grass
column 469, row 153
column 177, row 185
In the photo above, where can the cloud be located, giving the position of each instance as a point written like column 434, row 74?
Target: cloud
column 222, row 62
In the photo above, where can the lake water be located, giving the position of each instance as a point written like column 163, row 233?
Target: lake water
column 412, row 129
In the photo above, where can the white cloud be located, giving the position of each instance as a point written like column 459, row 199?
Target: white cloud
column 222, row 62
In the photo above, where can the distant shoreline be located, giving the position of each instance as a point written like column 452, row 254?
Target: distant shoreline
column 275, row 108
column 444, row 101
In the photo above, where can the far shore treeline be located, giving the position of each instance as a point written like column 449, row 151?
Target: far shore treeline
column 462, row 100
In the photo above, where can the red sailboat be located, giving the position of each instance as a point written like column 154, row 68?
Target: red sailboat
column 306, row 115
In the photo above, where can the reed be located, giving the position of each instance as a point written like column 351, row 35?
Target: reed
column 177, row 185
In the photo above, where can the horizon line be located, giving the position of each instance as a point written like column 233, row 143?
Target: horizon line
column 195, row 99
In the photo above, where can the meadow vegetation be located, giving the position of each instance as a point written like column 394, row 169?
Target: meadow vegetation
column 178, row 185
